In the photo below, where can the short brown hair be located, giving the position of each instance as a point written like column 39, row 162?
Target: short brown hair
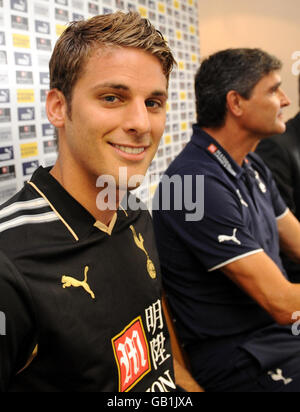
column 82, row 38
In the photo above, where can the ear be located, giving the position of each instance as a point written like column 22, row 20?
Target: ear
column 234, row 103
column 56, row 107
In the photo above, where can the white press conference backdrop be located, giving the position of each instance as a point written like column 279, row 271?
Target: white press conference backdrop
column 28, row 32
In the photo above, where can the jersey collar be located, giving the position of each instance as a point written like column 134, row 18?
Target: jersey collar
column 202, row 139
column 73, row 215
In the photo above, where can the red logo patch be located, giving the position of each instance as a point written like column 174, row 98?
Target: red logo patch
column 212, row 148
column 132, row 355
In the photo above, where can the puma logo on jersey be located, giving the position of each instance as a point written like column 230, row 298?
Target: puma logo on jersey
column 233, row 238
column 277, row 376
column 68, row 282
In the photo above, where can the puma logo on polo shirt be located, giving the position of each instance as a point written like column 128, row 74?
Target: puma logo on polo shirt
column 68, row 282
column 233, row 238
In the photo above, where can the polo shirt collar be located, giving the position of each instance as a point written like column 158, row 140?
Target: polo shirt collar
column 202, row 139
column 74, row 216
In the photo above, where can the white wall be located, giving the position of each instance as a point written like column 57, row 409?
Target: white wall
column 272, row 25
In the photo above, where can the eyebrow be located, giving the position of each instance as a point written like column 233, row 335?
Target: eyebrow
column 116, row 86
column 276, row 86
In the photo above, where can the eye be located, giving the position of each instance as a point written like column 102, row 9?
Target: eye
column 110, row 99
column 153, row 104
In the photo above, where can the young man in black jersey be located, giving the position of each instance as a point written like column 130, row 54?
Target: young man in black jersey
column 80, row 285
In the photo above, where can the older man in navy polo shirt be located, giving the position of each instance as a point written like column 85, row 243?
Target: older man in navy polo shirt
column 233, row 305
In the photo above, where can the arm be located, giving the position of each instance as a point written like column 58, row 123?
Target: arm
column 17, row 343
column 261, row 278
column 289, row 234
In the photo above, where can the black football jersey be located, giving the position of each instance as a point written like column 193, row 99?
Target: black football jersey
column 81, row 301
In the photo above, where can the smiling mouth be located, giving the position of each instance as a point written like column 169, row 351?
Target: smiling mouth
column 130, row 150
column 280, row 114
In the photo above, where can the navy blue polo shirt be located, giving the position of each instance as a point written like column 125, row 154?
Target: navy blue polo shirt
column 241, row 209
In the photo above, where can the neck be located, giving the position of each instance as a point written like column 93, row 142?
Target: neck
column 82, row 187
column 236, row 142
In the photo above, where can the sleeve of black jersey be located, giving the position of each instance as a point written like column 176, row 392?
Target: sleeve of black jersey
column 16, row 322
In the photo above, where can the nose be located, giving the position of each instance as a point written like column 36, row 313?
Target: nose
column 284, row 100
column 137, row 118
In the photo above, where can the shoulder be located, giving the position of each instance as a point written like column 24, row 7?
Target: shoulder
column 195, row 161
column 21, row 212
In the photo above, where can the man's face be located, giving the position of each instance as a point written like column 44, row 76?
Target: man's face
column 263, row 112
column 118, row 114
